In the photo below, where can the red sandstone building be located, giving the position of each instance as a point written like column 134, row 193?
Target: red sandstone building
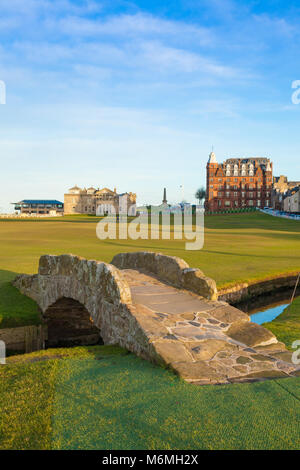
column 238, row 183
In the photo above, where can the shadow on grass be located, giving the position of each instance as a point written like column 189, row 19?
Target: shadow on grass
column 127, row 403
column 15, row 309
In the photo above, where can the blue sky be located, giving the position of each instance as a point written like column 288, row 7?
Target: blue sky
column 134, row 94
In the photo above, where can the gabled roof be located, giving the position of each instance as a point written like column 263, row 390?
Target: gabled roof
column 220, row 172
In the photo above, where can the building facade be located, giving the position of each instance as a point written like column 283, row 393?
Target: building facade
column 291, row 201
column 99, row 202
column 39, row 207
column 238, row 183
column 282, row 188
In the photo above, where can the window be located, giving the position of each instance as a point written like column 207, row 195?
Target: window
column 250, row 203
column 227, row 194
column 258, row 203
column 227, row 203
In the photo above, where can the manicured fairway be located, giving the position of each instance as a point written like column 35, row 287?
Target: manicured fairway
column 240, row 247
column 103, row 398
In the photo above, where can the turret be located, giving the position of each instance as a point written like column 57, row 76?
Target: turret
column 212, row 158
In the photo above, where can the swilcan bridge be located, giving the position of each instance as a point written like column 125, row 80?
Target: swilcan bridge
column 160, row 309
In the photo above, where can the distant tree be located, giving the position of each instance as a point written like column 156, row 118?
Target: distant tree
column 200, row 194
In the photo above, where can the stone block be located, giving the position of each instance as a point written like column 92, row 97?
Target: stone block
column 195, row 281
column 251, row 334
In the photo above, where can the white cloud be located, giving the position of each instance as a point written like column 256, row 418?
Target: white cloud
column 273, row 25
column 180, row 60
column 36, row 7
column 137, row 24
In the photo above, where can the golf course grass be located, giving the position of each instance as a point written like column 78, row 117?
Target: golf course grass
column 101, row 397
column 238, row 248
column 286, row 327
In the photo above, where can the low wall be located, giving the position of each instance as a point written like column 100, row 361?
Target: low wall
column 245, row 291
column 171, row 269
column 24, row 338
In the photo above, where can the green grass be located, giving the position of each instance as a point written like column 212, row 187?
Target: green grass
column 286, row 327
column 238, row 248
column 104, row 398
column 15, row 308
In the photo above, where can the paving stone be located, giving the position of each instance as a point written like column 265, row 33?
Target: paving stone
column 187, row 331
column 205, row 350
column 213, row 321
column 196, row 371
column 228, row 314
column 152, row 298
column 243, row 360
column 261, row 357
column 283, row 356
column 241, row 369
column 171, row 337
column 212, row 327
column 251, row 334
column 180, row 306
column 266, row 374
column 171, row 351
column 188, row 316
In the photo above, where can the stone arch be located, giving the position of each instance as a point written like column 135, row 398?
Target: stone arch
column 70, row 324
column 98, row 287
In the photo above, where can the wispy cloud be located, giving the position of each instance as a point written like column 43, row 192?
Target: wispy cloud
column 180, row 60
column 132, row 25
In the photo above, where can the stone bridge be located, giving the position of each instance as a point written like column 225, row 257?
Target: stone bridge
column 159, row 308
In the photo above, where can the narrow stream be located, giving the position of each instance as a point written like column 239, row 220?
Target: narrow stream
column 266, row 308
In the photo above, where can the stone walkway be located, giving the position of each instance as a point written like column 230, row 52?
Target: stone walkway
column 204, row 341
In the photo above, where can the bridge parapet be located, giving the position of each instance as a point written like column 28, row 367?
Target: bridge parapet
column 170, row 269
